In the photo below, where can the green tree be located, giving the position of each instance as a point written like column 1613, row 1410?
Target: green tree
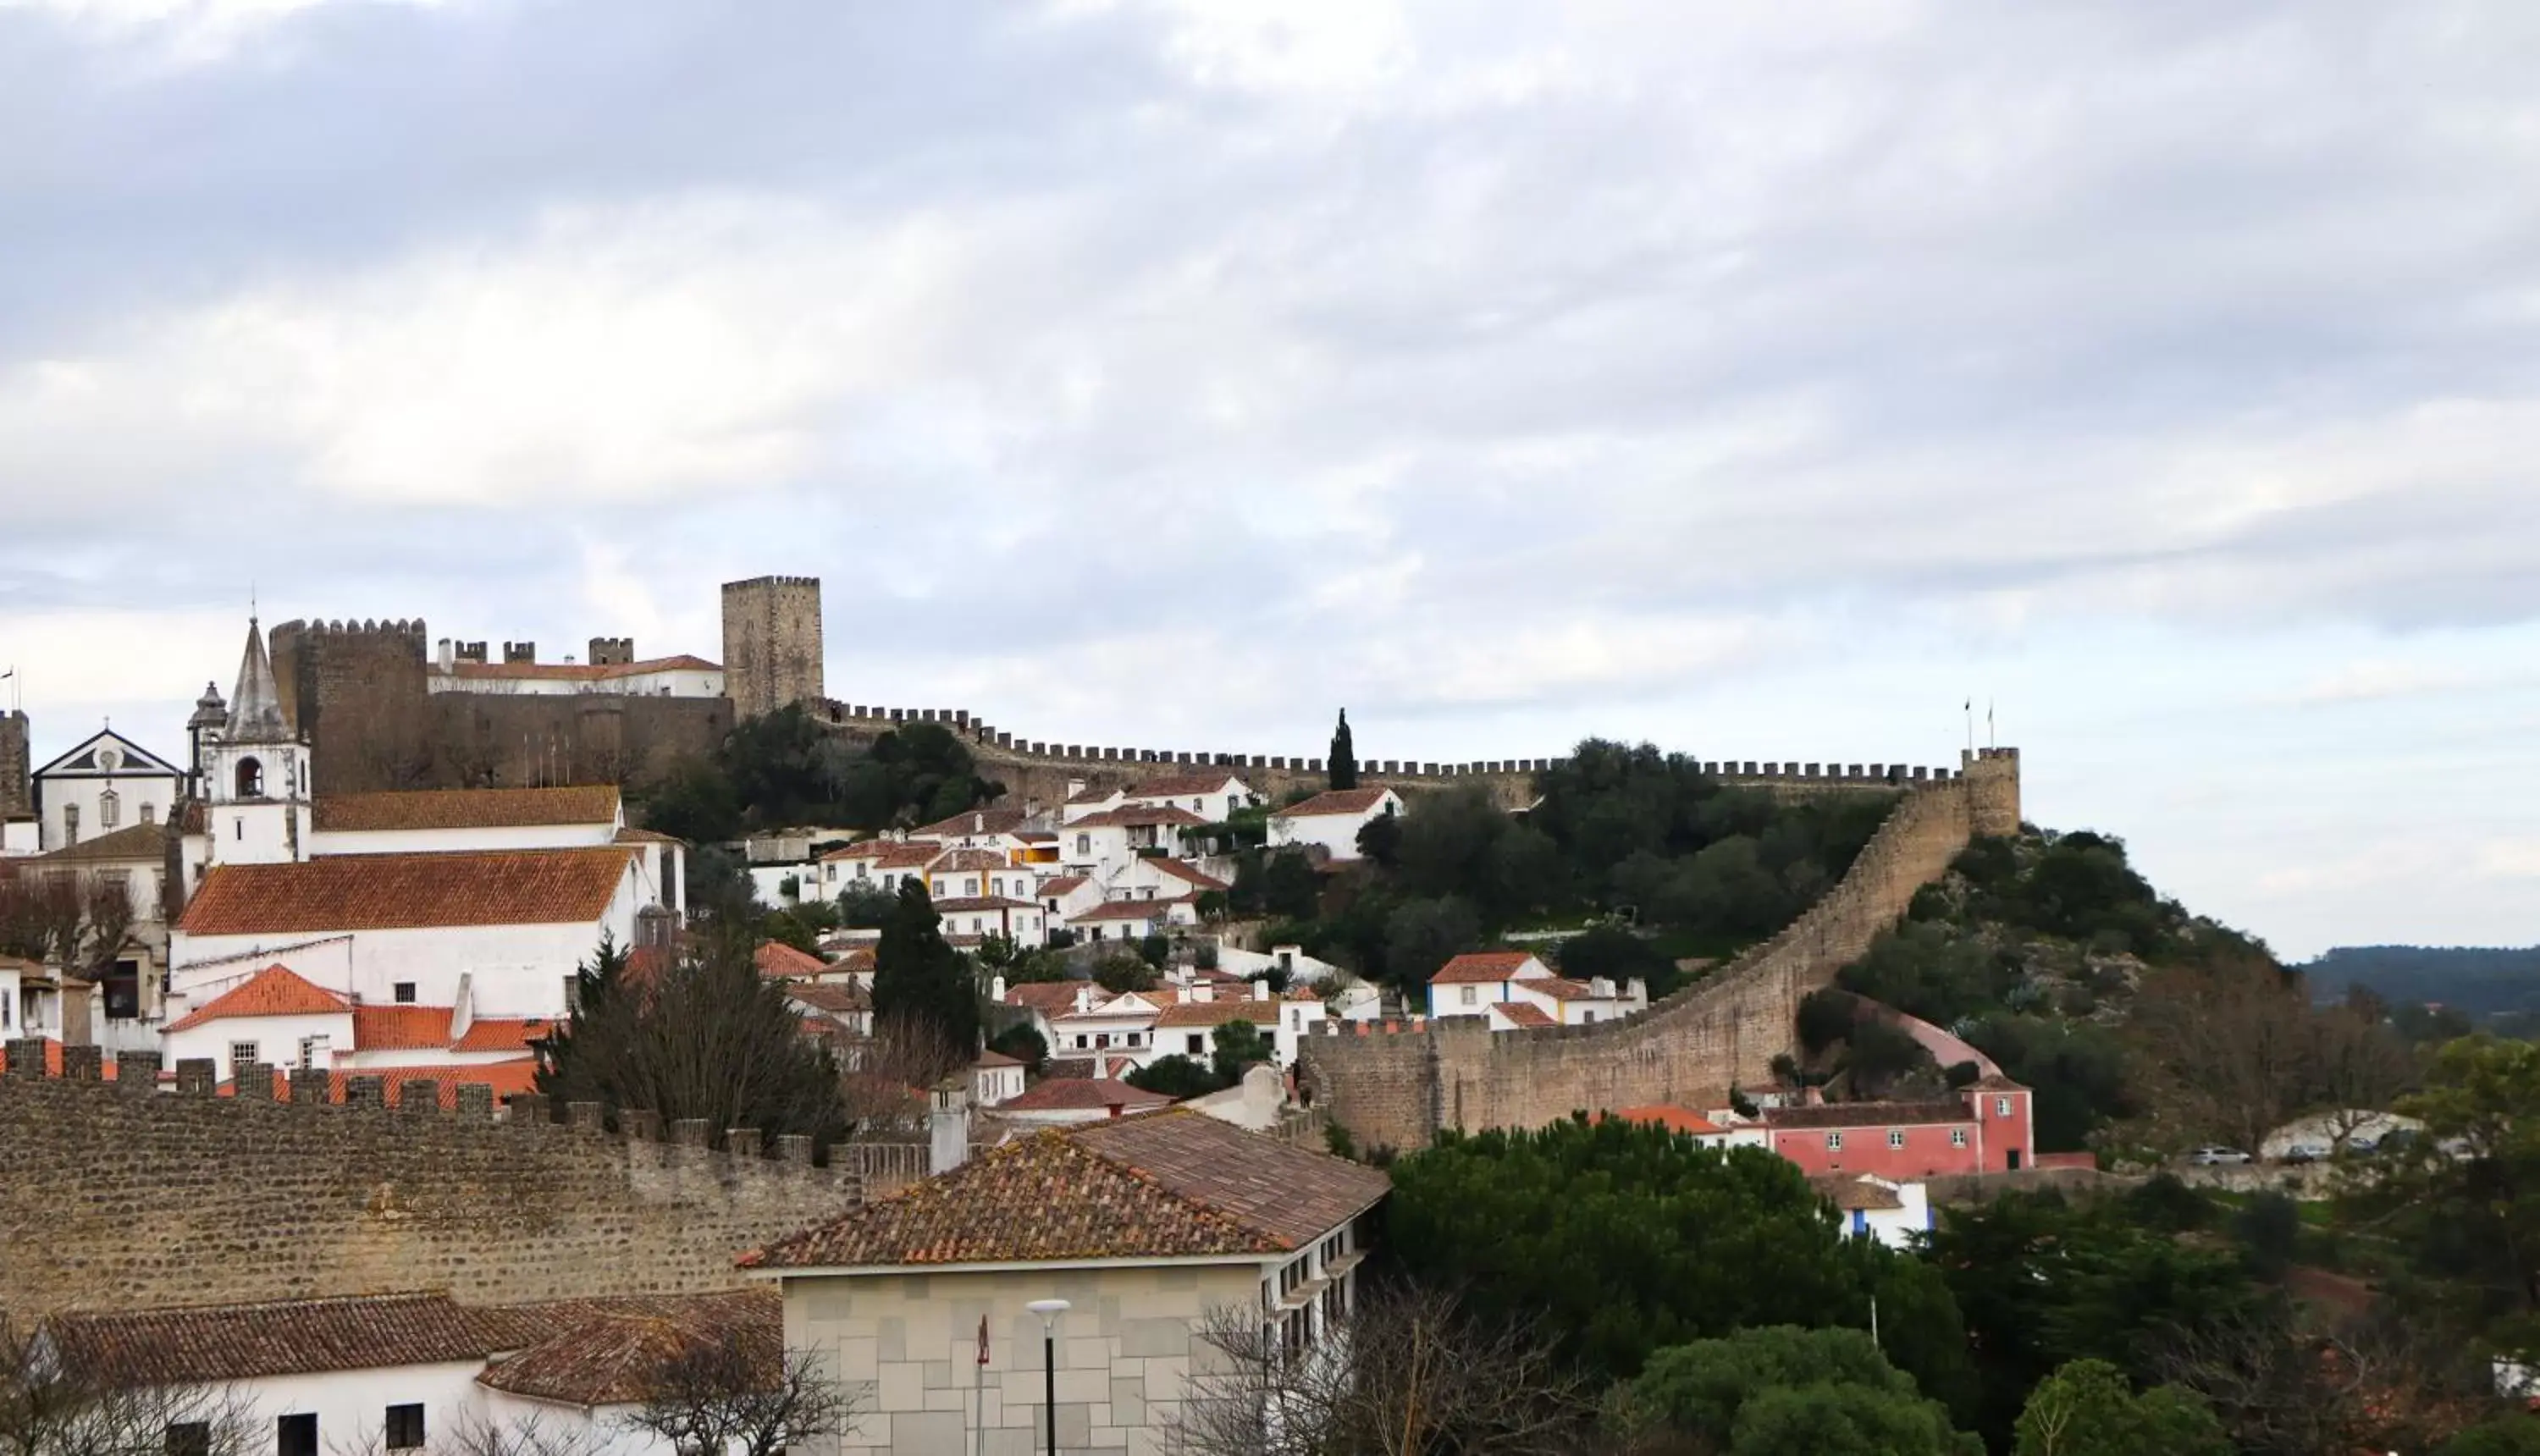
column 1177, row 1076
column 692, row 799
column 1290, row 888
column 1122, row 973
column 1343, row 763
column 864, row 906
column 1612, row 951
column 2089, row 1408
column 1617, row 1239
column 1238, row 1045
column 1423, row 935
column 1783, row 1388
column 1020, row 1042
column 706, row 1037
column 1380, row 841
column 922, row 987
column 2463, row 1196
column 2515, row 1435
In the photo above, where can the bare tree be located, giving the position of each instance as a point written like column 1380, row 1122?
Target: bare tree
column 471, row 1432
column 1410, row 1373
column 2373, row 1381
column 51, row 1406
column 729, row 1395
column 79, row 923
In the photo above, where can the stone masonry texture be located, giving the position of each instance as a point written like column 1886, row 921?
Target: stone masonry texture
column 117, row 1196
column 1399, row 1090
column 17, row 794
column 772, row 643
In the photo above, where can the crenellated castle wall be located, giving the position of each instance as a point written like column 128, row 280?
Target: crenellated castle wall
column 118, row 1194
column 1400, row 1089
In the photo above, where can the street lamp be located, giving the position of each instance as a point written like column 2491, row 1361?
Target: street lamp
column 1049, row 1310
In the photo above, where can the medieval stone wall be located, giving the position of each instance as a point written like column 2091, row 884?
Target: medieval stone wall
column 127, row 1197
column 17, row 788
column 772, row 643
column 1399, row 1089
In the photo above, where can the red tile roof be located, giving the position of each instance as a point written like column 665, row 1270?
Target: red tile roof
column 130, row 845
column 1190, row 874
column 1218, row 1013
column 1051, row 998
column 976, row 822
column 1082, row 1094
column 615, row 1351
column 1481, row 965
column 1673, row 1119
column 779, row 961
column 1837, row 1115
column 1128, row 910
column 244, row 1342
column 887, row 854
column 1135, row 816
column 502, row 1034
column 395, row 1028
column 465, row 808
column 1864, row 1194
column 1560, row 988
column 968, row 903
column 1334, row 802
column 276, row 991
column 833, row 998
column 1064, row 885
column 1171, row 1184
column 375, row 892
column 1525, row 1015
column 956, row 861
column 1183, row 786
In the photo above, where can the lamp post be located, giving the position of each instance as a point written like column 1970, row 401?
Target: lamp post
column 1049, row 1310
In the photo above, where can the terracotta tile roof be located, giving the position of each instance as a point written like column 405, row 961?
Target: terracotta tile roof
column 134, row 842
column 464, row 808
column 1183, row 786
column 375, row 892
column 395, row 1028
column 779, row 961
column 833, row 998
column 859, row 960
column 963, row 903
column 1143, row 1187
column 614, row 1352
column 507, row 1080
column 1094, row 795
column 579, row 671
column 1525, row 1015
column 1129, row 909
column 887, row 854
column 1084, row 1094
column 1858, row 1195
column 246, row 1342
column 1050, row 998
column 22, row 966
column 1063, row 884
column 646, row 836
column 1560, row 988
column 1188, row 873
column 1134, row 816
column 954, row 862
column 1481, row 965
column 1868, row 1115
column 995, row 1059
column 1218, row 1013
column 976, row 822
column 502, row 1034
column 1673, row 1119
column 276, row 991
column 1335, row 802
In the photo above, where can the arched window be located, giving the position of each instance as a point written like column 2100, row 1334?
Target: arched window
column 250, row 779
column 110, row 809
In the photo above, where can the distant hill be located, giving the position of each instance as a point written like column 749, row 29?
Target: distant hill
column 2476, row 982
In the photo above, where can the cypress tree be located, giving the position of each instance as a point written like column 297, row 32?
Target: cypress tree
column 921, row 983
column 1344, row 756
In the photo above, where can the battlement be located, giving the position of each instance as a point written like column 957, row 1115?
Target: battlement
column 754, row 583
column 401, row 629
column 611, row 652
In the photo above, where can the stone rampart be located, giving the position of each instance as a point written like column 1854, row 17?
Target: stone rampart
column 1399, row 1089
column 117, row 1193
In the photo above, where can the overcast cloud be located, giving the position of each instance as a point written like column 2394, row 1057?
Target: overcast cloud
column 1761, row 380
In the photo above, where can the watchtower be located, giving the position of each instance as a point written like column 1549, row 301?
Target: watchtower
column 16, row 797
column 771, row 643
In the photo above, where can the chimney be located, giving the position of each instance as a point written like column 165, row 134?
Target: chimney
column 997, row 991
column 448, row 654
column 947, row 1124
column 1260, row 991
column 463, row 1011
column 1602, row 986
column 1084, row 1000
column 978, row 823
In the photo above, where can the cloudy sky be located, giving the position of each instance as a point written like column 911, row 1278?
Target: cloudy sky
column 1763, row 380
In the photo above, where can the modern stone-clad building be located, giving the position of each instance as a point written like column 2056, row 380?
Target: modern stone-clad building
column 1144, row 1226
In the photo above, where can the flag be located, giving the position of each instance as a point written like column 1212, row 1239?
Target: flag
column 983, row 1341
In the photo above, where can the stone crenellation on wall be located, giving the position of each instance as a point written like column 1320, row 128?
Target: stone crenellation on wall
column 119, row 1193
column 1400, row 1089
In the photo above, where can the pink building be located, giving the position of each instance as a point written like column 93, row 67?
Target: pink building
column 1987, row 1128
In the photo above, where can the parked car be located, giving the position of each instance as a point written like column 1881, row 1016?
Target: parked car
column 2208, row 1158
column 2307, row 1152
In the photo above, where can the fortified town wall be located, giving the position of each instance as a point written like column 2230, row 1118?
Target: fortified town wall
column 1400, row 1089
column 119, row 1194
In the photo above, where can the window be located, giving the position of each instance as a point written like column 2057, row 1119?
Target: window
column 250, row 785
column 1085, row 844
column 70, row 823
column 572, row 995
column 2001, row 1107
column 1895, row 1137
column 1103, row 1038
column 970, row 886
column 1079, row 1041
column 238, row 827
column 1586, row 1016
column 295, row 1436
column 241, row 1054
column 313, row 1052
column 1958, row 1136
column 110, row 809
column 406, row 1428
column 1197, row 1044
column 404, row 990
column 1472, row 995
column 148, row 812
column 1834, row 1141
column 190, row 1439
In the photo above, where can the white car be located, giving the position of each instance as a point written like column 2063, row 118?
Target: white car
column 2307, row 1152
column 2208, row 1158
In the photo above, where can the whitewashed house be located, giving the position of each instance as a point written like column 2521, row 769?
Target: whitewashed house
column 1331, row 820
column 1516, row 991
column 105, row 784
column 875, row 865
column 1893, row 1212
column 1212, row 796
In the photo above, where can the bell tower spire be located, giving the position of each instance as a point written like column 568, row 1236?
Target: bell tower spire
column 258, row 776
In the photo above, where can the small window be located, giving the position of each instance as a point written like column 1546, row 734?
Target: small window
column 1958, row 1136
column 1085, row 844
column 404, row 990
column 1079, row 1041
column 406, row 1428
column 1198, row 1044
column 238, row 827
column 70, row 823
column 241, row 1054
column 1472, row 995
column 1834, row 1141
column 1895, row 1137
column 190, row 1439
column 110, row 809
column 295, row 1436
column 2001, row 1107
column 148, row 812
column 970, row 886
column 572, row 995
column 313, row 1052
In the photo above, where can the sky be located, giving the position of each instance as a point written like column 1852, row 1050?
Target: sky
column 1763, row 382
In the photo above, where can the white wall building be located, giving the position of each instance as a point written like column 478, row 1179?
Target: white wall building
column 105, row 784
column 1516, row 991
column 611, row 669
column 1331, row 820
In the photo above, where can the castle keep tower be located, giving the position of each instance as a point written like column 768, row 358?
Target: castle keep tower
column 17, row 798
column 772, row 643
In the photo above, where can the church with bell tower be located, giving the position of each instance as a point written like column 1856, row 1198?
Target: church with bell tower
column 254, row 771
